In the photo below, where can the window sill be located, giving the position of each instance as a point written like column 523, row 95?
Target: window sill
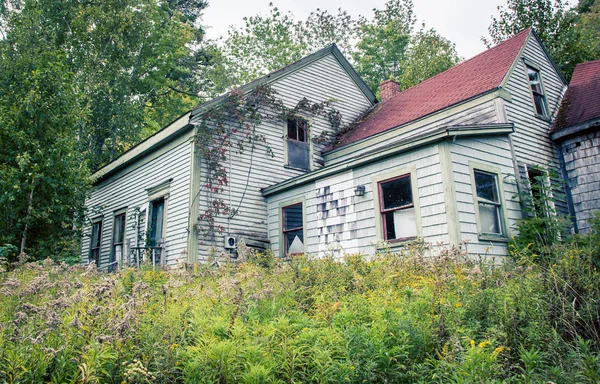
column 492, row 237
column 386, row 244
column 542, row 117
column 296, row 168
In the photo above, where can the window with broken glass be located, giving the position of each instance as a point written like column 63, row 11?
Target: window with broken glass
column 488, row 202
column 293, row 231
column 95, row 242
column 539, row 99
column 298, row 146
column 397, row 208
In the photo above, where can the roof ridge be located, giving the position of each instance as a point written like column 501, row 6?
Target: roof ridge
column 528, row 30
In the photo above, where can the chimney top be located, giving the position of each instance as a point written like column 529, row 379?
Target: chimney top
column 388, row 88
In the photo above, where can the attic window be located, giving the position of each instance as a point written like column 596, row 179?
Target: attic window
column 539, row 99
column 298, row 146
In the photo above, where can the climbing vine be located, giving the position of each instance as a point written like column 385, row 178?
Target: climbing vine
column 232, row 126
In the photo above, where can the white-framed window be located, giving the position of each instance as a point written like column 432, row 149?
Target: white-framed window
column 156, row 220
column 297, row 141
column 292, row 229
column 537, row 91
column 489, row 202
column 397, row 208
column 118, row 238
column 96, row 241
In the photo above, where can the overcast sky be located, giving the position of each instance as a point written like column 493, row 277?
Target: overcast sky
column 464, row 22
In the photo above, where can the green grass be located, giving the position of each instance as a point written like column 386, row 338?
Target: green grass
column 395, row 318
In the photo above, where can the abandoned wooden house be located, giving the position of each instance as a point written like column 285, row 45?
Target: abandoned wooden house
column 442, row 162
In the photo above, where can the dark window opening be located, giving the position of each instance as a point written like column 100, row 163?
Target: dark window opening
column 118, row 240
column 539, row 100
column 156, row 227
column 397, row 208
column 536, row 187
column 293, row 231
column 95, row 243
column 298, row 145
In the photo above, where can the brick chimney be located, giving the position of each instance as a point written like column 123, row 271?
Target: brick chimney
column 388, row 88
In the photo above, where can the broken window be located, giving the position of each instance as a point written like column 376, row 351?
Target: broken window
column 488, row 202
column 118, row 240
column 298, row 146
column 539, row 100
column 397, row 208
column 95, row 242
column 293, row 231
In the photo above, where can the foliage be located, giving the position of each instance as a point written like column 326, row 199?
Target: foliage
column 570, row 35
column 392, row 318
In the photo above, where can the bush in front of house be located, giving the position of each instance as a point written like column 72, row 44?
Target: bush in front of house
column 392, row 318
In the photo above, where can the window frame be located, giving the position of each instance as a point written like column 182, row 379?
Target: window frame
column 158, row 192
column 546, row 109
column 100, row 222
column 502, row 219
column 378, row 204
column 113, row 254
column 309, row 142
column 282, row 238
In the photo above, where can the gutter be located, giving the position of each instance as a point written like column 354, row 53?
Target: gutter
column 446, row 133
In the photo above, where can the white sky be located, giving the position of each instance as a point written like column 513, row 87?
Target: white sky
column 464, row 22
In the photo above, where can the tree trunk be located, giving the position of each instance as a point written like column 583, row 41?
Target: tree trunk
column 29, row 209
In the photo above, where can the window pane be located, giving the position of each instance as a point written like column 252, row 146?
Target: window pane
column 292, row 217
column 486, row 186
column 119, row 230
column 298, row 154
column 96, row 235
column 292, row 130
column 396, row 193
column 534, row 80
column 294, row 242
column 540, row 104
column 156, row 221
column 400, row 224
column 490, row 218
column 302, row 130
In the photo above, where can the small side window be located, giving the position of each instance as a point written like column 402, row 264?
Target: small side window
column 397, row 208
column 96, row 242
column 488, row 202
column 539, row 99
column 298, row 145
column 293, row 230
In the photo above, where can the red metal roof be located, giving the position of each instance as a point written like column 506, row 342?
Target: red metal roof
column 468, row 79
column 582, row 100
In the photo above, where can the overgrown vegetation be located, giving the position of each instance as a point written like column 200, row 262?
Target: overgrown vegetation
column 394, row 318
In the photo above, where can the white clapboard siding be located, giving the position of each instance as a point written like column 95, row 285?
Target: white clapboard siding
column 531, row 140
column 339, row 222
column 129, row 191
column 483, row 113
column 493, row 152
column 322, row 80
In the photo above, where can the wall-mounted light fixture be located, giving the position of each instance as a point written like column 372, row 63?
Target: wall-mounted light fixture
column 359, row 191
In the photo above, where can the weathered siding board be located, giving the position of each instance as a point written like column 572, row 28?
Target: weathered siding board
column 483, row 113
column 582, row 163
column 494, row 152
column 323, row 80
column 129, row 190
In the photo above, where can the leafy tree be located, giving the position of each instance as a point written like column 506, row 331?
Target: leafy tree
column 558, row 27
column 380, row 48
column 267, row 43
column 42, row 179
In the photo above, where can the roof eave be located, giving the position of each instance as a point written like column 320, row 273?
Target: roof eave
column 573, row 130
